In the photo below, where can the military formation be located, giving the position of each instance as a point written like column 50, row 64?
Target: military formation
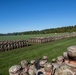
column 14, row 44
column 9, row 45
column 62, row 65
column 39, row 40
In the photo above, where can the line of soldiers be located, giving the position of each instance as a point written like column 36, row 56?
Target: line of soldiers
column 63, row 65
column 9, row 45
column 46, row 39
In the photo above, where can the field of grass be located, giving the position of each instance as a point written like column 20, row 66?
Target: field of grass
column 19, row 37
column 51, row 49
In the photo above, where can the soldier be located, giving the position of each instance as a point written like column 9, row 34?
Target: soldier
column 15, row 70
column 45, row 58
column 66, row 60
column 25, row 67
column 60, row 60
column 42, row 63
column 27, row 43
column 2, row 46
column 54, row 60
column 54, row 64
column 37, row 63
column 48, row 69
column 70, row 67
column 32, row 68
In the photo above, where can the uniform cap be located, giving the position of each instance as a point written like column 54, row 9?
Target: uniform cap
column 72, row 51
column 53, row 60
column 15, row 70
column 60, row 58
column 32, row 61
column 45, row 57
column 48, row 67
column 24, row 63
column 42, row 62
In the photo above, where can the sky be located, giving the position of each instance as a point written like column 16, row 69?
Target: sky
column 30, row 15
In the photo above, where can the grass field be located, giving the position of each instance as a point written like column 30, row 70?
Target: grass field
column 52, row 50
column 19, row 37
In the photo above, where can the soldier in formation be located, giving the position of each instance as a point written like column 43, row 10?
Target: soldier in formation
column 65, row 55
column 68, row 68
column 15, row 70
column 63, row 65
column 32, row 68
column 42, row 63
column 45, row 58
column 9, row 45
column 48, row 69
column 25, row 67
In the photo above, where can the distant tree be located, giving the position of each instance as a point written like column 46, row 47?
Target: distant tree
column 45, row 31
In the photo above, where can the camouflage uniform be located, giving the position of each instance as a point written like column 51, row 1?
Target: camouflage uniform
column 65, row 55
column 24, row 65
column 58, row 64
column 42, row 63
column 45, row 58
column 23, row 73
column 68, row 68
column 60, row 60
column 48, row 69
column 15, row 70
column 54, row 64
column 32, row 69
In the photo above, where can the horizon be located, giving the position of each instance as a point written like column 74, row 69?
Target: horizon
column 36, row 30
column 33, row 15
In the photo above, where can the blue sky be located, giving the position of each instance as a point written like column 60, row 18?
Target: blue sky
column 29, row 15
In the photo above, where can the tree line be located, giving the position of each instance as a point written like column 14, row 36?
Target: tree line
column 46, row 31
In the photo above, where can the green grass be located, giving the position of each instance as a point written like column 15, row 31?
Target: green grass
column 52, row 50
column 19, row 37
